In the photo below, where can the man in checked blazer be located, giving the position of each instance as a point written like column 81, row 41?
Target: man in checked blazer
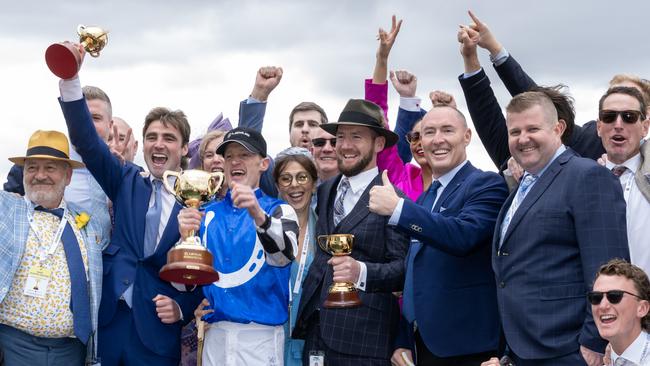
column 37, row 326
column 362, row 335
column 566, row 218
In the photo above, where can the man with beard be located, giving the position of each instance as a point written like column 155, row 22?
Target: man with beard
column 362, row 335
column 50, row 263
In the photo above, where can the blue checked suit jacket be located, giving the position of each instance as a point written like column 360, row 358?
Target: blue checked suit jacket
column 14, row 229
column 368, row 330
column 570, row 222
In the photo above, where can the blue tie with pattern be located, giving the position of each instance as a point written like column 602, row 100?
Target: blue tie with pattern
column 526, row 182
column 152, row 220
column 78, row 283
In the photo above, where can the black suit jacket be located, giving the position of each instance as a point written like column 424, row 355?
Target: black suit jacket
column 368, row 330
column 490, row 122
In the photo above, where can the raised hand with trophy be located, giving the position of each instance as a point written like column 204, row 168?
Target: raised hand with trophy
column 64, row 59
column 190, row 262
column 340, row 294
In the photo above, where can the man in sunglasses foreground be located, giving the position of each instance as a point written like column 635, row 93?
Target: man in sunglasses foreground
column 620, row 304
column 622, row 125
column 565, row 219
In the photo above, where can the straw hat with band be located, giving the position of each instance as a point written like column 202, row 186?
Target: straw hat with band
column 360, row 112
column 52, row 145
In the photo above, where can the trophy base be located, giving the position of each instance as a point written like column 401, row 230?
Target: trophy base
column 341, row 299
column 189, row 264
column 63, row 60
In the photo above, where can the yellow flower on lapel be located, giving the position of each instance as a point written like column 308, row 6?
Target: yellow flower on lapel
column 81, row 220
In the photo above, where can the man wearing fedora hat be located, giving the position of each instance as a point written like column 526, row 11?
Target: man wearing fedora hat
column 50, row 263
column 365, row 334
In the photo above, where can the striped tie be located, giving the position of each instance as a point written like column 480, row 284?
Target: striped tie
column 339, row 212
column 526, row 182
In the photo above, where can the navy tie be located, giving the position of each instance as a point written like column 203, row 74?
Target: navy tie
column 80, row 297
column 408, row 308
column 152, row 220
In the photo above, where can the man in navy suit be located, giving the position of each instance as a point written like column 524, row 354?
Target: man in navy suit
column 140, row 314
column 448, row 267
column 566, row 218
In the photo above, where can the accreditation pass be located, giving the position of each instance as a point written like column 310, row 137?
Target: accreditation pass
column 37, row 281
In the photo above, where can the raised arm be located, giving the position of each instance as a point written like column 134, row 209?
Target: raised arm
column 252, row 109
column 484, row 109
column 409, row 112
column 513, row 76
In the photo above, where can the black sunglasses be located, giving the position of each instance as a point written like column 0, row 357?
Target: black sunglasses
column 609, row 116
column 413, row 137
column 613, row 296
column 320, row 141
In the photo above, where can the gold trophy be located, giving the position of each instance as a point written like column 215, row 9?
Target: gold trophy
column 190, row 262
column 64, row 59
column 340, row 294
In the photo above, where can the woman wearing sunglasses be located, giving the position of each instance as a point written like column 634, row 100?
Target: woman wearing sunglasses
column 295, row 175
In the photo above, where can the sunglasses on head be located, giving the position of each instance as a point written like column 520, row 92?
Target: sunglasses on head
column 413, row 137
column 613, row 296
column 609, row 116
column 320, row 141
column 286, row 179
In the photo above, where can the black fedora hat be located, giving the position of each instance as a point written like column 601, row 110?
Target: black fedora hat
column 360, row 112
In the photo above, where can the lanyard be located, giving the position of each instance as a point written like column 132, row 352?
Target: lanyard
column 303, row 262
column 43, row 254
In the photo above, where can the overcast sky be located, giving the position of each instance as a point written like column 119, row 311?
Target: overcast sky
column 202, row 56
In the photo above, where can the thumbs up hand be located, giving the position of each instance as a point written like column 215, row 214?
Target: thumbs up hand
column 383, row 199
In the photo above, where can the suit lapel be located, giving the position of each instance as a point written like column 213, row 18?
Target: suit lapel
column 170, row 234
column 455, row 183
column 537, row 190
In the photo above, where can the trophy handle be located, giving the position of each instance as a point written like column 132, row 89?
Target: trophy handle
column 216, row 178
column 322, row 242
column 80, row 29
column 166, row 175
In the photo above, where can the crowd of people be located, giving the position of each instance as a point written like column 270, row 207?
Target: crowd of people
column 542, row 263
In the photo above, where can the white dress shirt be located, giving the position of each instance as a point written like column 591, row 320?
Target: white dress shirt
column 636, row 352
column 637, row 213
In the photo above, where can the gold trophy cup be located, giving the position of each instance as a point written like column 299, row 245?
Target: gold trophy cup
column 340, row 294
column 190, row 262
column 64, row 59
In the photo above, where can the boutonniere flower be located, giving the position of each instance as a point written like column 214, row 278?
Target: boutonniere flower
column 81, row 220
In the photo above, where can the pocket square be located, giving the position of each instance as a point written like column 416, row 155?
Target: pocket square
column 442, row 208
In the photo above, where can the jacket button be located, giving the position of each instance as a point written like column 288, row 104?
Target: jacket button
column 502, row 284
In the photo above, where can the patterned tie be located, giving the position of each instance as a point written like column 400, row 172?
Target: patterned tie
column 526, row 182
column 339, row 212
column 80, row 302
column 435, row 185
column 152, row 220
column 623, row 362
column 619, row 170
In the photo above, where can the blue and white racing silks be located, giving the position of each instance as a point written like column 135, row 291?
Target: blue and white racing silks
column 253, row 262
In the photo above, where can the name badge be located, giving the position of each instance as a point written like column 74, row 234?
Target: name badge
column 37, row 281
column 316, row 358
